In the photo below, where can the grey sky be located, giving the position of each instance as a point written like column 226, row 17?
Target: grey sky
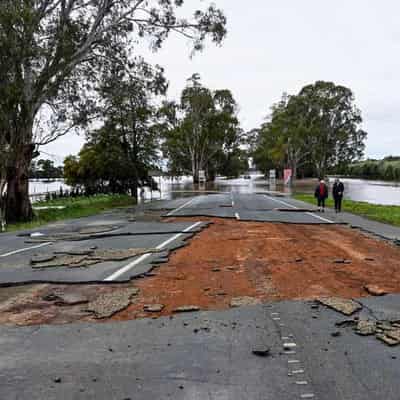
column 277, row 46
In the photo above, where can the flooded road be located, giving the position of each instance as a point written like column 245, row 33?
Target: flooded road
column 375, row 192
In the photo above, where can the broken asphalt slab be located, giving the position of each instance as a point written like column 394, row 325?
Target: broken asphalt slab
column 16, row 268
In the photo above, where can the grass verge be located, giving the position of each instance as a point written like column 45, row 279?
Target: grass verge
column 381, row 213
column 76, row 207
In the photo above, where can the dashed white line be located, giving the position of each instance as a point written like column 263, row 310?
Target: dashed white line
column 298, row 371
column 289, row 345
column 307, row 396
column 301, row 383
column 180, row 208
column 293, row 361
column 308, row 213
column 25, row 249
column 125, row 269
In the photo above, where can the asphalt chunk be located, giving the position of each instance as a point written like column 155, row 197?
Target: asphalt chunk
column 108, row 304
column 344, row 306
column 85, row 258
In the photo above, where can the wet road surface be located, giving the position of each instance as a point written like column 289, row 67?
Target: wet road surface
column 280, row 350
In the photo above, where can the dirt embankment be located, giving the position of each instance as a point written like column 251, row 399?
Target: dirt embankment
column 230, row 260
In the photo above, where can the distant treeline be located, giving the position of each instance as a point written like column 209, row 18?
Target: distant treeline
column 45, row 169
column 387, row 169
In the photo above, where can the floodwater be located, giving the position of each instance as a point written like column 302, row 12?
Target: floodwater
column 39, row 186
column 375, row 192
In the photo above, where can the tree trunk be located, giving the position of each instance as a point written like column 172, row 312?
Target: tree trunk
column 18, row 206
column 195, row 170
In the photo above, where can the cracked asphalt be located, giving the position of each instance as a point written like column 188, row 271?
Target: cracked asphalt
column 200, row 355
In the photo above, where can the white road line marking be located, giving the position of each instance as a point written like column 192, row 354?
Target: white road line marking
column 308, row 213
column 237, row 216
column 307, row 396
column 289, row 345
column 298, row 371
column 293, row 361
column 301, row 383
column 289, row 352
column 276, row 319
column 125, row 269
column 25, row 249
column 321, row 218
column 274, row 313
column 180, row 208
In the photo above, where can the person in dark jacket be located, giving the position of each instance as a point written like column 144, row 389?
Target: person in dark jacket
column 321, row 194
column 337, row 191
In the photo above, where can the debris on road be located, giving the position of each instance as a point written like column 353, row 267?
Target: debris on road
column 365, row 327
column 108, row 304
column 375, row 290
column 386, row 331
column 153, row 307
column 36, row 259
column 261, row 351
column 85, row 258
column 387, row 340
column 244, row 301
column 184, row 309
column 66, row 299
column 345, row 306
column 80, row 234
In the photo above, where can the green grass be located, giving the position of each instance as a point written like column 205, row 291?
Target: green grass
column 74, row 208
column 386, row 214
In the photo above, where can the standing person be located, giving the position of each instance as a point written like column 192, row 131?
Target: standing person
column 337, row 191
column 321, row 194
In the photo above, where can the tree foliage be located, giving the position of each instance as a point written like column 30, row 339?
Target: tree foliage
column 201, row 130
column 52, row 53
column 319, row 127
column 45, row 169
column 119, row 154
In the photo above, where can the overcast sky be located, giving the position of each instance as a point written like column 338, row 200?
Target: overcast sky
column 279, row 46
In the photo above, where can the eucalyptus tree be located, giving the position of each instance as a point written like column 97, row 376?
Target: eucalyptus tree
column 51, row 52
column 333, row 123
column 204, row 124
column 131, row 115
column 320, row 126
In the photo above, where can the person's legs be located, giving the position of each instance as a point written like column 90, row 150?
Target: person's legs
column 336, row 203
column 340, row 198
column 319, row 204
column 323, row 205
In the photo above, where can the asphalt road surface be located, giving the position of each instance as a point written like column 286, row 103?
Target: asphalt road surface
column 205, row 355
column 16, row 251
